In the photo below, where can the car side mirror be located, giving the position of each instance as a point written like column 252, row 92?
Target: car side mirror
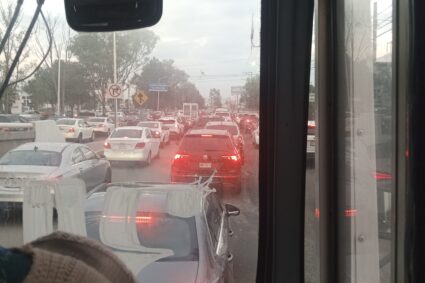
column 231, row 210
column 112, row 15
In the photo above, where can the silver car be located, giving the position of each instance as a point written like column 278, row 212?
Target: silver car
column 166, row 246
column 35, row 161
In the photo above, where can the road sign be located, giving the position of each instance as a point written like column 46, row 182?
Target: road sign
column 114, row 91
column 236, row 90
column 158, row 87
column 139, row 98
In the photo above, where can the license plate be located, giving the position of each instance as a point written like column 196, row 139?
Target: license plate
column 204, row 165
column 122, row 147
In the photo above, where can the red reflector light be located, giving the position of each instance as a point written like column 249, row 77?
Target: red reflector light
column 140, row 145
column 206, row 136
column 317, row 213
column 231, row 157
column 156, row 133
column 312, row 126
column 71, row 130
column 350, row 212
column 180, row 156
column 379, row 176
column 107, row 145
column 128, row 219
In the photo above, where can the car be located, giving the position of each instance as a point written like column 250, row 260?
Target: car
column 233, row 129
column 158, row 130
column 203, row 151
column 223, row 112
column 102, row 125
column 248, row 123
column 311, row 140
column 132, row 120
column 132, row 143
column 176, row 128
column 50, row 161
column 256, row 137
column 76, row 130
column 202, row 121
column 14, row 119
column 190, row 245
column 31, row 115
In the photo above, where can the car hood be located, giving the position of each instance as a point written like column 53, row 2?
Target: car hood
column 169, row 272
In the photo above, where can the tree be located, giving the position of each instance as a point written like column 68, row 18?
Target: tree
column 27, row 61
column 251, row 96
column 95, row 52
column 180, row 90
column 43, row 90
column 215, row 98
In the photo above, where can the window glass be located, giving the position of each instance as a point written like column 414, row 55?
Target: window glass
column 88, row 154
column 127, row 133
column 77, row 156
column 213, row 217
column 148, row 134
column 201, row 143
column 32, row 158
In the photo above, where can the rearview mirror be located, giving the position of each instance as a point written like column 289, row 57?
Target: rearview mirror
column 112, row 15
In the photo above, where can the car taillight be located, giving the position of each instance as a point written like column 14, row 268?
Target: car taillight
column 140, row 145
column 157, row 133
column 107, row 145
column 231, row 157
column 311, row 126
column 71, row 130
column 137, row 219
column 350, row 212
column 101, row 125
column 379, row 176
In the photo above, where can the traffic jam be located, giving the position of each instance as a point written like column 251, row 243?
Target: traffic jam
column 183, row 215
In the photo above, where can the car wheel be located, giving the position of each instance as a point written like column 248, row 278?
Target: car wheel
column 108, row 177
column 80, row 138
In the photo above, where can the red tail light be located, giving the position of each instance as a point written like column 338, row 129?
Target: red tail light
column 379, row 176
column 101, row 125
column 350, row 212
column 156, row 133
column 138, row 219
column 107, row 145
column 231, row 157
column 140, row 145
column 71, row 130
column 206, row 136
column 311, row 126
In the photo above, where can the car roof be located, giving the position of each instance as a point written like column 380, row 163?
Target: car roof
column 208, row 132
column 47, row 146
column 167, row 118
column 131, row 128
column 221, row 123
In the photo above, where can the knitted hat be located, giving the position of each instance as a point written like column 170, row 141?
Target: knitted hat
column 64, row 257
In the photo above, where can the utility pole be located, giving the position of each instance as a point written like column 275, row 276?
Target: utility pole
column 115, row 78
column 58, row 110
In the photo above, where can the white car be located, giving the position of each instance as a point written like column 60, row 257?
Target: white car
column 53, row 161
column 311, row 139
column 223, row 113
column 176, row 128
column 131, row 144
column 158, row 130
column 103, row 125
column 75, row 130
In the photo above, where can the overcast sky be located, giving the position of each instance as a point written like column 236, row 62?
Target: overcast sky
column 209, row 39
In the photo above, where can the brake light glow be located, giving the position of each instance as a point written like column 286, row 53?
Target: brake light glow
column 206, row 136
column 311, row 126
column 128, row 219
column 379, row 176
column 71, row 130
column 140, row 145
column 107, row 145
column 180, row 156
column 350, row 212
column 231, row 157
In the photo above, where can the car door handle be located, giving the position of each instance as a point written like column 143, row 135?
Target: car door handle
column 229, row 257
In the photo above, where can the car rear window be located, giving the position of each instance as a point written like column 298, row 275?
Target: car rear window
column 223, row 114
column 96, row 120
column 158, row 230
column 148, row 125
column 31, row 157
column 65, row 122
column 233, row 130
column 168, row 122
column 127, row 133
column 205, row 143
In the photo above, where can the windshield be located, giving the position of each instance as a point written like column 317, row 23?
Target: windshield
column 168, row 122
column 65, row 122
column 148, row 125
column 158, row 230
column 233, row 130
column 31, row 157
column 127, row 133
column 206, row 143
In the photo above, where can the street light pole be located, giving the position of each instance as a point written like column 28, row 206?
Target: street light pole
column 58, row 110
column 115, row 78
